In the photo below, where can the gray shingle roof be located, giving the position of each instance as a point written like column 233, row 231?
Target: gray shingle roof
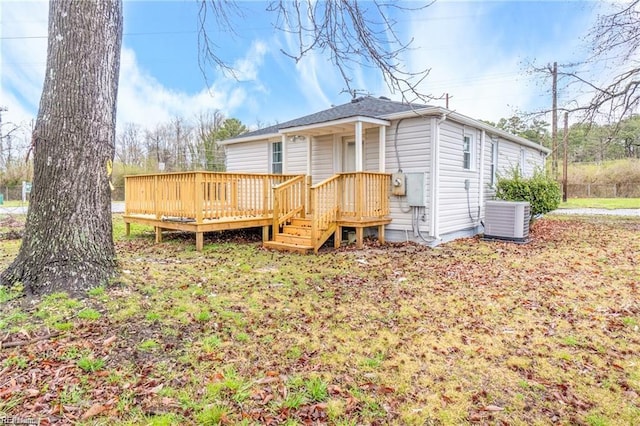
column 367, row 106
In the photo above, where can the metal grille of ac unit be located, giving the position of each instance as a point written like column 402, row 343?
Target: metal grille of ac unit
column 507, row 220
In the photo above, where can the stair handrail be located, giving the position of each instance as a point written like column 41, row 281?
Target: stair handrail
column 326, row 206
column 288, row 201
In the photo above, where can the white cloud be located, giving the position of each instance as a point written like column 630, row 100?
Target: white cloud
column 23, row 55
column 142, row 99
column 477, row 64
column 313, row 74
column 246, row 69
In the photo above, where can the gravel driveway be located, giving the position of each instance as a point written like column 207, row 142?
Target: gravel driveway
column 606, row 212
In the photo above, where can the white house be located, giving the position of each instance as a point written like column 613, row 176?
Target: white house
column 443, row 164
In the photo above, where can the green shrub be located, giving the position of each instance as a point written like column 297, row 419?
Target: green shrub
column 542, row 192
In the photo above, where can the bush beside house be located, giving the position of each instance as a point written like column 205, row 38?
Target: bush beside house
column 542, row 192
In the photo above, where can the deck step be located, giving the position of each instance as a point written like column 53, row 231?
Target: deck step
column 295, row 248
column 304, row 231
column 294, row 239
column 302, row 222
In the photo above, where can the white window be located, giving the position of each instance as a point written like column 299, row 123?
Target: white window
column 494, row 162
column 276, row 158
column 467, row 152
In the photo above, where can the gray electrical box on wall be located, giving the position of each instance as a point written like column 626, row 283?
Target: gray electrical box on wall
column 416, row 189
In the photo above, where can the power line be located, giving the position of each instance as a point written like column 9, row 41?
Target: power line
column 124, row 34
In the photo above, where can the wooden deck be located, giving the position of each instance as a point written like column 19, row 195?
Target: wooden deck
column 202, row 202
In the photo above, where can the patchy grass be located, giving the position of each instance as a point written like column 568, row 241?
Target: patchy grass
column 601, row 203
column 471, row 332
column 14, row 203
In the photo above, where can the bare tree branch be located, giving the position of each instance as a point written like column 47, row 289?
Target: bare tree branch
column 615, row 41
column 221, row 12
column 618, row 30
column 351, row 33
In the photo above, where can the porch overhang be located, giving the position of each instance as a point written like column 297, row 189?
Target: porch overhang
column 343, row 125
column 266, row 136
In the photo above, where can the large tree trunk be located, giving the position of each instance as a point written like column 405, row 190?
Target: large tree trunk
column 68, row 243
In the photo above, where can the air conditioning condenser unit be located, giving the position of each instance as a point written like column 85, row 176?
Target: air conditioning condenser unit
column 507, row 220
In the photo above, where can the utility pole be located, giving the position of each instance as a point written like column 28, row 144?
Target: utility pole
column 565, row 142
column 554, row 121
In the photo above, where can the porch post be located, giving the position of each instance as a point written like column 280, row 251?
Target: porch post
column 359, row 162
column 309, row 157
column 382, row 147
column 284, row 154
column 309, row 178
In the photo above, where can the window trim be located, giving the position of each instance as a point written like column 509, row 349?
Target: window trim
column 273, row 163
column 494, row 163
column 470, row 152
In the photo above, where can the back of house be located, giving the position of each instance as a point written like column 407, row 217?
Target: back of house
column 442, row 166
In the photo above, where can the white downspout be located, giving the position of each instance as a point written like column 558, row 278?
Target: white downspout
column 284, row 154
column 483, row 137
column 435, row 175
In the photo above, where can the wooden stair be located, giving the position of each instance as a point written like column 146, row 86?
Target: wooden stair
column 295, row 237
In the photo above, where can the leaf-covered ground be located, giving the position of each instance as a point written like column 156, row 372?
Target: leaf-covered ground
column 472, row 332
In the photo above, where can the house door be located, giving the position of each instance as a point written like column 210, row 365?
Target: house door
column 348, row 165
column 349, row 156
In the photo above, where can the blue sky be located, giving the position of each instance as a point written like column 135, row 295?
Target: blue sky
column 475, row 49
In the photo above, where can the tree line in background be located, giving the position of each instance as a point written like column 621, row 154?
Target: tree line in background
column 587, row 142
column 192, row 144
column 177, row 145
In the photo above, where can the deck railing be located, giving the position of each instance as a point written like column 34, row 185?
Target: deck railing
column 364, row 195
column 199, row 196
column 325, row 206
column 350, row 199
column 288, row 201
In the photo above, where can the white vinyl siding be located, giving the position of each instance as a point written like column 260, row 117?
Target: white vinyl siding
column 454, row 211
column 371, row 149
column 296, row 157
column 249, row 157
column 508, row 157
column 512, row 155
column 532, row 160
column 322, row 158
column 414, row 152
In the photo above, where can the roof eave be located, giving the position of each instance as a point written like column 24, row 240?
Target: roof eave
column 498, row 132
column 249, row 138
column 338, row 122
column 455, row 116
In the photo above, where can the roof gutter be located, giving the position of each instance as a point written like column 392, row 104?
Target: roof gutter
column 251, row 138
column 454, row 116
